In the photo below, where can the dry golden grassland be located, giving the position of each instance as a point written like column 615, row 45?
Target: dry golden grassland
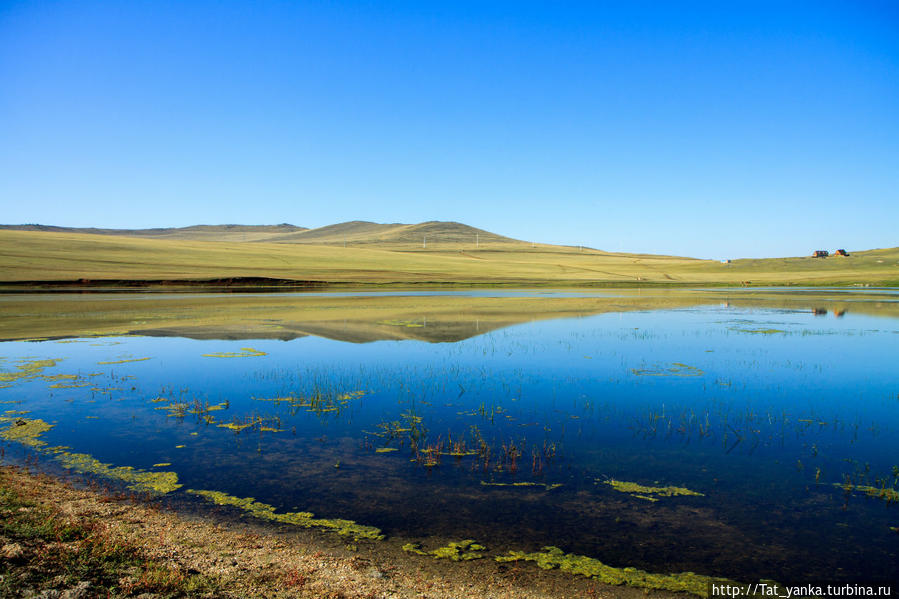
column 45, row 256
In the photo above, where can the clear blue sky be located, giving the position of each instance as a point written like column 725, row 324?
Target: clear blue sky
column 719, row 129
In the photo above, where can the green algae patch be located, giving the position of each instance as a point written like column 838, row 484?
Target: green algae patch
column 162, row 465
column 26, row 431
column 675, row 369
column 461, row 551
column 263, row 511
column 546, row 486
column 134, row 478
column 245, row 352
column 646, row 497
column 27, row 369
column 649, row 493
column 553, row 557
column 386, row 449
column 238, row 426
column 59, row 377
column 125, row 361
column 887, row 494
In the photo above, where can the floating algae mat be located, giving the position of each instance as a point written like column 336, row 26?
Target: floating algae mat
column 648, row 492
column 659, row 441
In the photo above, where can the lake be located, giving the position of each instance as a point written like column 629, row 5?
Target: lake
column 746, row 434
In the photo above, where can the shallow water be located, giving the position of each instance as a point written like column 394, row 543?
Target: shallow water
column 764, row 407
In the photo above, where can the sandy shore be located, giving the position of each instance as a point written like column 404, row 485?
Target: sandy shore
column 123, row 546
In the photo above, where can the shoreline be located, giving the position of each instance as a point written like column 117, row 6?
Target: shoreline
column 199, row 554
column 274, row 285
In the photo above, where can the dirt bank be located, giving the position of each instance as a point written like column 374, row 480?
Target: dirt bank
column 57, row 540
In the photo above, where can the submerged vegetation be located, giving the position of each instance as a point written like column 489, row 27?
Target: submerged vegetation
column 134, row 478
column 546, row 486
column 461, row 551
column 647, row 492
column 553, row 557
column 888, row 494
column 28, row 432
column 125, row 361
column 27, row 369
column 264, row 511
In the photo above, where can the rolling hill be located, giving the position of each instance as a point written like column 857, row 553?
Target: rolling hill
column 235, row 233
column 366, row 253
column 434, row 233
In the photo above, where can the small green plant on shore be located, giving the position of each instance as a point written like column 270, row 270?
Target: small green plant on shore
column 47, row 550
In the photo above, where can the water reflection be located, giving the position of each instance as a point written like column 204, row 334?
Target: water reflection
column 729, row 433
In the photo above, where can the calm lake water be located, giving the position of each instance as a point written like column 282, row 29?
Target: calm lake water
column 764, row 409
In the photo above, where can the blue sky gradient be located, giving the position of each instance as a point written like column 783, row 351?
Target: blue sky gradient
column 705, row 129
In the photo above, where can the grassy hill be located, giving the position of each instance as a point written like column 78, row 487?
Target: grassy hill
column 236, row 233
column 393, row 254
column 433, row 234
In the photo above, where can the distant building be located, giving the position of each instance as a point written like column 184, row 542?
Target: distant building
column 841, row 253
column 821, row 254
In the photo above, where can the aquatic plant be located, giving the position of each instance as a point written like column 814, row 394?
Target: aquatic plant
column 645, row 492
column 134, row 478
column 885, row 493
column 27, row 369
column 236, row 425
column 26, row 431
column 264, row 511
column 758, row 331
column 546, row 486
column 676, row 369
column 553, row 557
column 246, row 352
column 461, row 551
column 125, row 361
column 204, row 407
column 59, row 377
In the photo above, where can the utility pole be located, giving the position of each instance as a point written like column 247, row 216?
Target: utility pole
column 477, row 240
column 424, row 241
